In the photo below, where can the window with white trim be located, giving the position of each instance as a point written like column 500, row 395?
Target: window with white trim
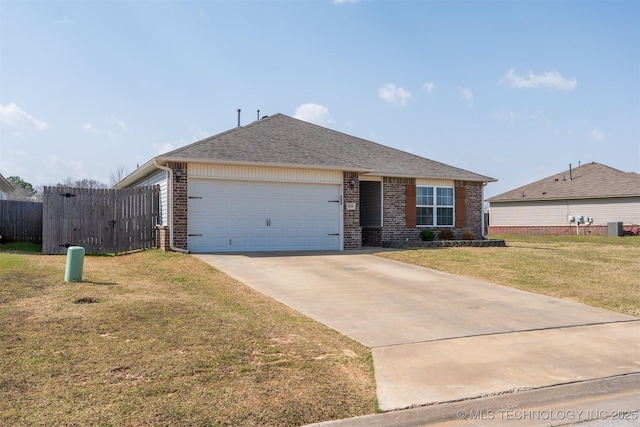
column 434, row 206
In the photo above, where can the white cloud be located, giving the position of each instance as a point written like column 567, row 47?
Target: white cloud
column 164, row 148
column 376, row 137
column 314, row 113
column 466, row 94
column 90, row 128
column 72, row 168
column 504, row 115
column 13, row 116
column 541, row 119
column 122, row 125
column 429, row 87
column 552, row 79
column 345, row 1
column 199, row 134
column 596, row 134
column 394, row 95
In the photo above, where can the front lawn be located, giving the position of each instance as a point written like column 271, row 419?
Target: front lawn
column 595, row 270
column 159, row 338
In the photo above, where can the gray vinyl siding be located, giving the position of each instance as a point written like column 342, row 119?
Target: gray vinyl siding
column 158, row 178
column 555, row 212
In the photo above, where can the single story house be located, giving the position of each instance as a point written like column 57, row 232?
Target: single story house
column 284, row 184
column 5, row 188
column 552, row 205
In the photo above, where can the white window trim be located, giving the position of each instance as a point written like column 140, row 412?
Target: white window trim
column 435, row 206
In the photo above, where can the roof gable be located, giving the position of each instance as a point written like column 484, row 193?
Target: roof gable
column 591, row 180
column 283, row 140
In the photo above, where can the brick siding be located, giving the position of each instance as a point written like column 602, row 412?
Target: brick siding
column 371, row 236
column 541, row 230
column 162, row 238
column 180, row 206
column 395, row 219
column 394, row 202
column 352, row 230
column 473, row 209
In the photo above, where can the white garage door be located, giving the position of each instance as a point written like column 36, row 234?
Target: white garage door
column 240, row 216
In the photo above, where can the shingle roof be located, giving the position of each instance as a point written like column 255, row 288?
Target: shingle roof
column 589, row 181
column 283, row 140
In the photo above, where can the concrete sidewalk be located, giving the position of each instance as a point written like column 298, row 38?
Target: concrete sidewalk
column 438, row 337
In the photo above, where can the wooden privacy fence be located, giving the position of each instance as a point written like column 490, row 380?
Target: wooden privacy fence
column 100, row 220
column 20, row 221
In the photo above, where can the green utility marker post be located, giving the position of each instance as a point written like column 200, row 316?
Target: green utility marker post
column 75, row 262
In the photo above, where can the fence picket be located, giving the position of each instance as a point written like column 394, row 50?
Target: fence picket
column 21, row 221
column 100, row 220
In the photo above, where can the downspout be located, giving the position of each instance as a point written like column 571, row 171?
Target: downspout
column 484, row 236
column 170, row 205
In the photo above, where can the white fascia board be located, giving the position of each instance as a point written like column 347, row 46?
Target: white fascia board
column 164, row 160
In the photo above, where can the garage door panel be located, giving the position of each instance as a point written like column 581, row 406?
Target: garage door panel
column 256, row 216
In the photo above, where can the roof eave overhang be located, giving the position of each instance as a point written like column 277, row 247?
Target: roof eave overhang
column 443, row 177
column 150, row 167
column 6, row 185
column 137, row 174
column 262, row 164
column 556, row 199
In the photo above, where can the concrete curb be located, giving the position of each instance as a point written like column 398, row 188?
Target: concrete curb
column 564, row 396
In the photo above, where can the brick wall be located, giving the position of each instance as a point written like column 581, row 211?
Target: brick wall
column 473, row 208
column 394, row 193
column 542, row 230
column 371, row 236
column 162, row 237
column 352, row 229
column 395, row 219
column 179, row 206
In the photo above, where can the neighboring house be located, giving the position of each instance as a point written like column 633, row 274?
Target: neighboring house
column 284, row 184
column 591, row 190
column 5, row 188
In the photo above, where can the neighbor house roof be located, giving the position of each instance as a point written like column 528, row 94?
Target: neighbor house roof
column 589, row 181
column 280, row 140
column 5, row 186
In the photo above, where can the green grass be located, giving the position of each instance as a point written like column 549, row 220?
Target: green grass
column 21, row 247
column 596, row 270
column 167, row 340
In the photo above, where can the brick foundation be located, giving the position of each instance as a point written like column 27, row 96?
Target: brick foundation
column 445, row 244
column 162, row 238
column 371, row 236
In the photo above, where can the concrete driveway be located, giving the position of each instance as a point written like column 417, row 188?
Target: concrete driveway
column 438, row 337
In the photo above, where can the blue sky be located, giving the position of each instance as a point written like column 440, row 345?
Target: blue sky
column 515, row 90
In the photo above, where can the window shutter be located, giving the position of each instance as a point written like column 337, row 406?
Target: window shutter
column 461, row 208
column 410, row 211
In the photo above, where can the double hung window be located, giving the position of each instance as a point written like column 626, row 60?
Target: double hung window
column 434, row 206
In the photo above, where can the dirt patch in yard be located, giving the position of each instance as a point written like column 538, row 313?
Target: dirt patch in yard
column 170, row 341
